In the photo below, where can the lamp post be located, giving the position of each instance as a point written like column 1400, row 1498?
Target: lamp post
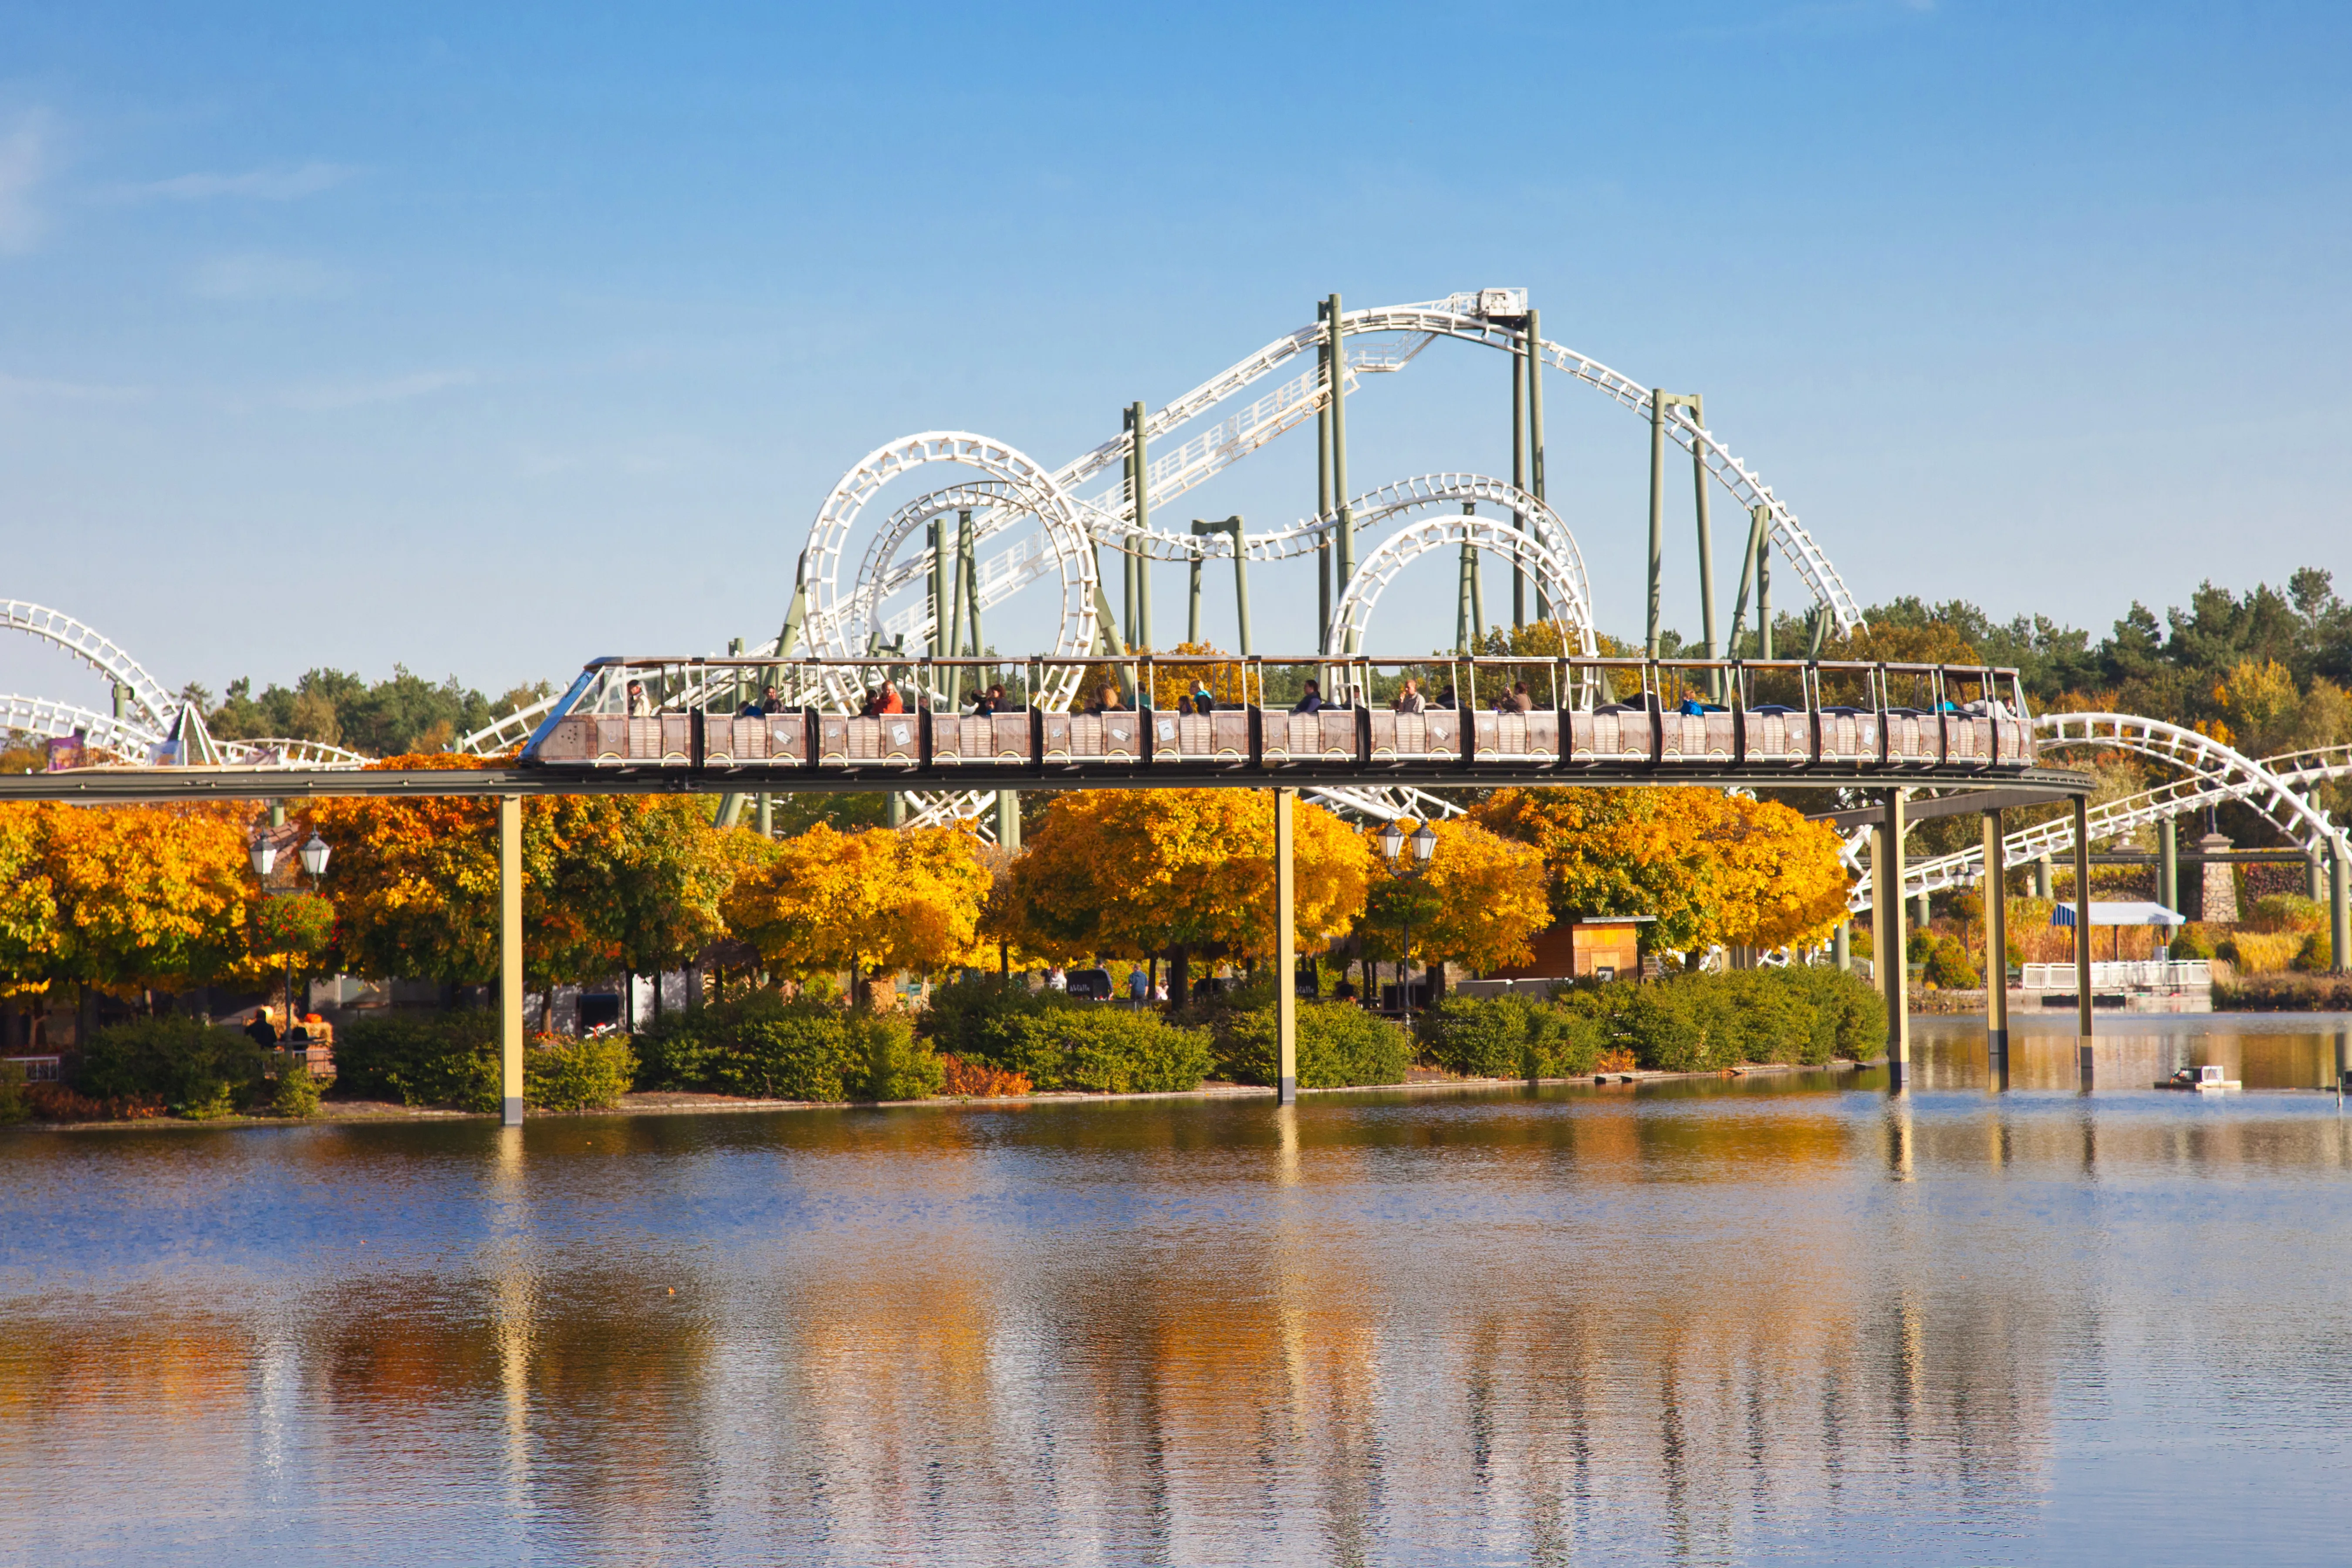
column 1425, row 845
column 313, row 856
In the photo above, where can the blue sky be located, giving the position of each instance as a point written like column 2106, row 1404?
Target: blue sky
column 490, row 339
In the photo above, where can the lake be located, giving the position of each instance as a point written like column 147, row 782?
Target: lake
column 1775, row 1319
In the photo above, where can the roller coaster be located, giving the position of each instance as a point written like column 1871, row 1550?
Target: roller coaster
column 936, row 565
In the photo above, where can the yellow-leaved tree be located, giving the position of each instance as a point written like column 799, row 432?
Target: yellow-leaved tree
column 872, row 901
column 1479, row 899
column 145, row 897
column 1132, row 873
column 1713, row 868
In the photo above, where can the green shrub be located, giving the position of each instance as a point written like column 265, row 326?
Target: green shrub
column 2279, row 912
column 198, row 1070
column 1949, row 966
column 1108, row 1050
column 297, row 1093
column 974, row 1016
column 1338, row 1044
column 2315, row 956
column 897, row 1066
column 15, row 1104
column 1704, row 1023
column 1850, row 1014
column 2193, row 942
column 1515, row 1037
column 448, row 1058
column 572, row 1075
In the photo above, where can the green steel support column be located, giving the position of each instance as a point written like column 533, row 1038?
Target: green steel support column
column 1286, row 953
column 1536, row 436
column 1462, row 600
column 1764, row 602
column 1231, row 526
column 2083, row 933
column 938, row 591
column 767, row 818
column 2339, row 905
column 955, row 617
column 2315, row 870
column 1477, row 587
column 895, row 812
column 1008, row 820
column 1344, row 568
column 1322, row 506
column 1127, row 556
column 1192, row 616
column 1705, row 550
column 1518, row 471
column 971, row 576
column 1657, row 514
column 1747, row 580
column 1894, row 969
column 1142, row 636
column 1821, row 631
column 1996, row 928
column 510, row 958
column 2168, row 865
column 1922, row 910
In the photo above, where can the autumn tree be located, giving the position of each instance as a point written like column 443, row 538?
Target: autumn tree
column 873, row 901
column 1714, row 869
column 145, row 897
column 1477, row 903
column 1139, row 873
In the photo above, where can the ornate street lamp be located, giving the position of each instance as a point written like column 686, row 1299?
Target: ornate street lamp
column 265, row 854
column 1425, row 845
column 314, row 857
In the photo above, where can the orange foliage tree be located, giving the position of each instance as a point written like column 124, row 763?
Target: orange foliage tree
column 29, row 908
column 1715, row 868
column 872, row 901
column 145, row 895
column 1138, row 872
column 1476, row 904
column 609, row 882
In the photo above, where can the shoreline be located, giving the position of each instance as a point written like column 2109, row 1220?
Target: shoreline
column 672, row 1102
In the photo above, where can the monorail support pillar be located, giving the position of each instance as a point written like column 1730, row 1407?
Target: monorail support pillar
column 510, row 958
column 1894, row 970
column 1994, row 890
column 2168, row 864
column 1841, row 945
column 2083, row 935
column 1008, row 820
column 1285, row 951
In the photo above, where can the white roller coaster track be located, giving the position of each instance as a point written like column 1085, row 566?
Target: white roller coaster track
column 1109, row 516
column 2214, row 774
column 39, row 716
column 98, row 651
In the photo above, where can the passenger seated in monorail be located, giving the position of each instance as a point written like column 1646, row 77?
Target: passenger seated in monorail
column 1409, row 700
column 638, row 707
column 1310, row 703
column 1203, row 699
column 767, row 702
column 891, row 701
column 1514, row 700
column 1183, row 708
column 1445, row 698
column 1107, row 702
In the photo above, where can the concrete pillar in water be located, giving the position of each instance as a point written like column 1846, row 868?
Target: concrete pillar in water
column 1008, row 820
column 1922, row 909
column 1841, row 945
column 2083, row 932
column 2042, row 879
column 1894, row 973
column 1996, row 928
column 2339, row 904
column 510, row 957
column 1286, row 953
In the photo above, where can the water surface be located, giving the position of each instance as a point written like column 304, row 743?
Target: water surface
column 1765, row 1320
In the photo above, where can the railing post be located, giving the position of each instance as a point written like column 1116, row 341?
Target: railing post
column 1996, row 926
column 1286, row 955
column 2083, row 933
column 510, row 958
column 1894, row 969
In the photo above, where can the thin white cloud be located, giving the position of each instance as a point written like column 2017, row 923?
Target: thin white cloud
column 43, row 389
column 251, row 276
column 393, row 389
column 24, row 165
column 277, row 183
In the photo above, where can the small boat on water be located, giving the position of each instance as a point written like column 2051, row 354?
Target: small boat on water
column 2206, row 1079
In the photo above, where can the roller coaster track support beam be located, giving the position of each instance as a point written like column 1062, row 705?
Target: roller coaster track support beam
column 2082, row 807
column 510, row 957
column 2339, row 905
column 955, row 618
column 1322, row 508
column 1758, row 521
column 1285, row 950
column 1764, row 599
column 1233, row 526
column 2168, row 864
column 1536, row 436
column 1336, row 372
column 1520, row 354
column 1995, row 891
column 1660, row 401
column 1469, row 596
column 1887, row 945
column 1109, row 641
column 1139, row 570
column 1008, row 821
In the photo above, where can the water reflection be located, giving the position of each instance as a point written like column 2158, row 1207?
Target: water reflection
column 1782, row 1317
